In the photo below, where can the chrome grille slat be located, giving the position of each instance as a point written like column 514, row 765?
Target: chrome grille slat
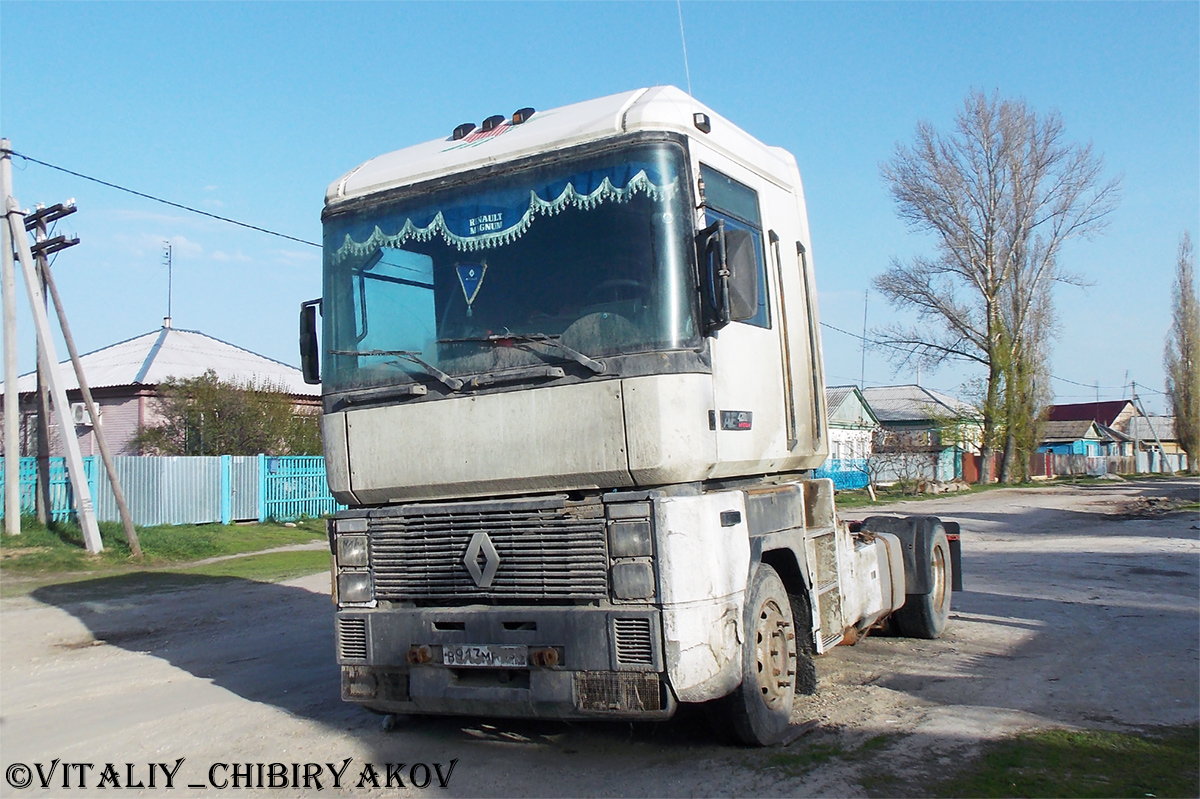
column 544, row 554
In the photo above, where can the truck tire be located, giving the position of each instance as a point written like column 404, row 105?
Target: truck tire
column 760, row 710
column 925, row 615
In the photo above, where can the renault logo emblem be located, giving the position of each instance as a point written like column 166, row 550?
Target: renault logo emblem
column 481, row 560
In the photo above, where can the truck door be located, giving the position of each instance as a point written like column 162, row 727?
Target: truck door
column 748, row 382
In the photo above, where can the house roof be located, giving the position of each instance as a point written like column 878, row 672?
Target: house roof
column 914, row 404
column 151, row 358
column 836, row 399
column 1143, row 428
column 1071, row 430
column 1104, row 413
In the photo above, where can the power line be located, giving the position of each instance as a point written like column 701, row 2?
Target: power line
column 167, row 202
column 905, row 349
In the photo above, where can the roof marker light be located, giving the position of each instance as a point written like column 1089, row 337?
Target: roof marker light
column 521, row 115
column 462, row 130
column 702, row 122
column 493, row 122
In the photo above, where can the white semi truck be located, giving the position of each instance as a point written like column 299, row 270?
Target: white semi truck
column 573, row 398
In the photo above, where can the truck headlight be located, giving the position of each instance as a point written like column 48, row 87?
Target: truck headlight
column 633, row 580
column 355, row 587
column 352, row 550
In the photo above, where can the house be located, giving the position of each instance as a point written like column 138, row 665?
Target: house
column 852, row 423
column 1112, row 421
column 1148, row 431
column 1074, row 437
column 124, row 379
column 924, row 432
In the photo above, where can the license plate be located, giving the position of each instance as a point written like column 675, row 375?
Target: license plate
column 513, row 657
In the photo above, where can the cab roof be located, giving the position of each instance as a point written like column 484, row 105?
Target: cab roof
column 663, row 108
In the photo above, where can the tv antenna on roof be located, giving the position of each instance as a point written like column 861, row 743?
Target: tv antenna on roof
column 167, row 263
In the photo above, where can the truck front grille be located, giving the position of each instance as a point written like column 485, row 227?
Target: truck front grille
column 548, row 550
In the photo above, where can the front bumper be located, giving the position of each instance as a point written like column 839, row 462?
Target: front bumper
column 609, row 661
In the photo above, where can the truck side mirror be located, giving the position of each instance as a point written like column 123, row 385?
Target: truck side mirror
column 742, row 263
column 309, row 359
column 729, row 275
column 714, row 276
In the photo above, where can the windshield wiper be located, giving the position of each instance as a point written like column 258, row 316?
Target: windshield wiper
column 575, row 355
column 452, row 383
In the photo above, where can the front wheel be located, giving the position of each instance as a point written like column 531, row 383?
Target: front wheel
column 760, row 710
column 925, row 615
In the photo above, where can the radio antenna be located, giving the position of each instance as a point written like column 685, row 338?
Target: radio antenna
column 683, row 38
column 167, row 263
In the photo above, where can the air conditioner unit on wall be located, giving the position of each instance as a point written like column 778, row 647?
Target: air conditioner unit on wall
column 79, row 414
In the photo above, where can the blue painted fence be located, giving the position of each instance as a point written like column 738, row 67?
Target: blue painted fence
column 190, row 490
column 846, row 473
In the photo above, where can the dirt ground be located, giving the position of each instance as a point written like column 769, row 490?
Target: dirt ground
column 1082, row 608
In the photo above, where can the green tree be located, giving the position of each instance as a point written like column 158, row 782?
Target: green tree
column 999, row 193
column 1181, row 356
column 209, row 416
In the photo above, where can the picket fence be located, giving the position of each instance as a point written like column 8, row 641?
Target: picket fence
column 846, row 473
column 190, row 489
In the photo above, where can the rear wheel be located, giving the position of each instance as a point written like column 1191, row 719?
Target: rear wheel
column 760, row 710
column 925, row 615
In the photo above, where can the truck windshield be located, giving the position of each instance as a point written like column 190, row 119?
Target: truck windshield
column 592, row 254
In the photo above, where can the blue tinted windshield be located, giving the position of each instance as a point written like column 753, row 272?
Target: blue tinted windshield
column 594, row 251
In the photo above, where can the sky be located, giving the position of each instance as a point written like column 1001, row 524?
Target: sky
column 250, row 110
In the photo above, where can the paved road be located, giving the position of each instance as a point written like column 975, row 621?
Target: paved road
column 1081, row 610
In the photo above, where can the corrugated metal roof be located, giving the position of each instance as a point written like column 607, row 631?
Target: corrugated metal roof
column 914, row 404
column 170, row 352
column 835, row 396
column 1143, row 428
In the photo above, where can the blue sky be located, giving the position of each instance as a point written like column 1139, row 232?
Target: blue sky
column 249, row 110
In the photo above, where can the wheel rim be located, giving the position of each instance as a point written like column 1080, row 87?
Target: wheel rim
column 938, row 567
column 775, row 655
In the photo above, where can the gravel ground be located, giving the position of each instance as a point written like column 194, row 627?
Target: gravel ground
column 1081, row 610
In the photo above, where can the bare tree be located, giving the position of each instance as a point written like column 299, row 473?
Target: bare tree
column 1181, row 357
column 1000, row 194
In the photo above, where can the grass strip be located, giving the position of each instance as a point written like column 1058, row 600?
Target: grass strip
column 1164, row 762
column 41, row 550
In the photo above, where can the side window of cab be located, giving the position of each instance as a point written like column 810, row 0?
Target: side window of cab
column 737, row 204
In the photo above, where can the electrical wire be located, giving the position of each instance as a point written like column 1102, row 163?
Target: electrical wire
column 165, row 202
column 1090, row 386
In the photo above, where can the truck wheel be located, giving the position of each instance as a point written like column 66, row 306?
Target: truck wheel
column 925, row 615
column 760, row 710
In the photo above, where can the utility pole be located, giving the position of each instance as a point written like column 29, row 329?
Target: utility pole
column 37, row 222
column 862, row 369
column 15, row 223
column 43, row 501
column 12, row 411
column 1162, row 453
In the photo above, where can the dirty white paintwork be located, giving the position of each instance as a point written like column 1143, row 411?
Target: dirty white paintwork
column 666, row 425
column 337, row 459
column 703, row 568
column 554, row 438
column 872, row 576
